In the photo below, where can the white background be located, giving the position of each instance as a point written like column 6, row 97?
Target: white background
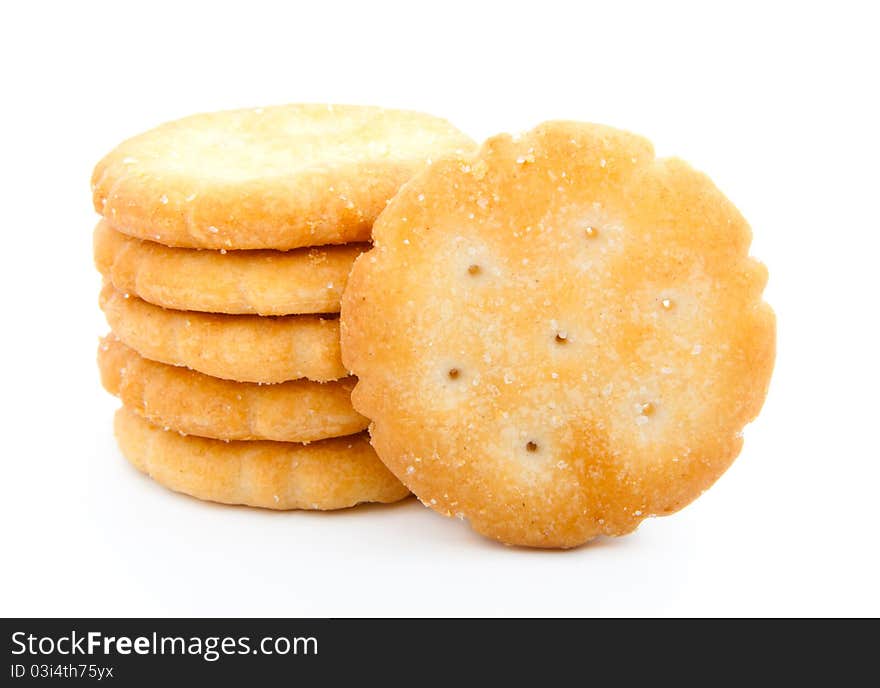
column 776, row 101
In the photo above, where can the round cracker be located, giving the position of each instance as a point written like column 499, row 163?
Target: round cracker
column 276, row 177
column 301, row 281
column 559, row 336
column 245, row 348
column 197, row 404
column 330, row 474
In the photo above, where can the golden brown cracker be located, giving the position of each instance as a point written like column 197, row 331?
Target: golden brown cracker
column 559, row 336
column 331, row 474
column 276, row 177
column 198, row 404
column 300, row 281
column 245, row 348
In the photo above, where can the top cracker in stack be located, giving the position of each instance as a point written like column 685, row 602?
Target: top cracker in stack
column 268, row 178
column 212, row 222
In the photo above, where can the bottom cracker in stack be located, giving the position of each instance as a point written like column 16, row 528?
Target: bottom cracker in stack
column 329, row 474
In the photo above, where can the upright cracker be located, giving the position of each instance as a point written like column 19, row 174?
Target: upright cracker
column 559, row 336
column 197, row 404
column 330, row 474
column 245, row 348
column 276, row 177
column 300, row 281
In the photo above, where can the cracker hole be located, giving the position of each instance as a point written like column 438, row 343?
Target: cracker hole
column 453, row 373
column 474, row 270
column 648, row 409
column 591, row 232
column 531, row 446
column 562, row 338
column 667, row 304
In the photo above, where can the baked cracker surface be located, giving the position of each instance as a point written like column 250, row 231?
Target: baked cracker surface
column 331, row 474
column 277, row 177
column 558, row 336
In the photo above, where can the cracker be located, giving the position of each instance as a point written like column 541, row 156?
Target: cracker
column 246, row 348
column 559, row 336
column 276, row 177
column 197, row 404
column 330, row 474
column 301, row 281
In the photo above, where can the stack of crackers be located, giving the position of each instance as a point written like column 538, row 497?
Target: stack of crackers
column 556, row 335
column 225, row 243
